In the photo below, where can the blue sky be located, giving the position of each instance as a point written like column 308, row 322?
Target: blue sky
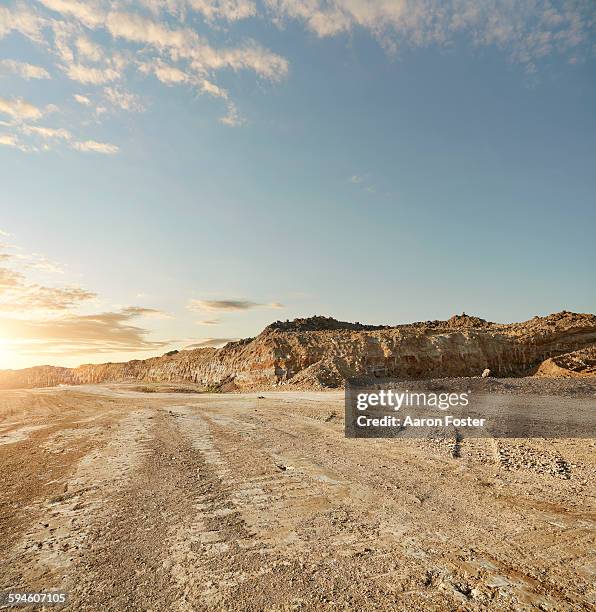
column 181, row 172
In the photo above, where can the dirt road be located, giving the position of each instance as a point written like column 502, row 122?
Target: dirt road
column 149, row 501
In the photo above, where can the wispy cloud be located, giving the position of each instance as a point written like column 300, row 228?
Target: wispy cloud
column 47, row 133
column 9, row 279
column 24, row 70
column 84, row 100
column 228, row 305
column 208, row 322
column 91, row 75
column 10, row 140
column 232, row 117
column 123, row 100
column 19, row 109
column 228, row 10
column 46, row 136
column 221, row 305
column 37, row 297
column 526, row 31
column 151, row 313
column 19, row 296
column 106, row 46
column 21, row 18
column 88, row 12
column 103, row 44
column 40, row 320
column 78, row 334
column 92, row 146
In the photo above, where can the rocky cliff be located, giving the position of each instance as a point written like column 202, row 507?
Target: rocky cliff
column 322, row 352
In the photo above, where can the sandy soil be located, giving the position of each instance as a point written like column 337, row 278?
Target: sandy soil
column 175, row 501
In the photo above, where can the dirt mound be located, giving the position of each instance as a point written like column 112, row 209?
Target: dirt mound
column 318, row 323
column 325, row 374
column 576, row 363
column 464, row 321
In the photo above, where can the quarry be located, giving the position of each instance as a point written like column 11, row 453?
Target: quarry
column 321, row 353
column 223, row 479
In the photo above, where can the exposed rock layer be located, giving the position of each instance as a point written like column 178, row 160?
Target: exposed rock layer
column 323, row 352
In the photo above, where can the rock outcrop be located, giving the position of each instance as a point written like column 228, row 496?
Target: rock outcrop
column 322, row 352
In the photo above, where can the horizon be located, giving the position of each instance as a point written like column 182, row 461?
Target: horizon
column 220, row 345
column 179, row 173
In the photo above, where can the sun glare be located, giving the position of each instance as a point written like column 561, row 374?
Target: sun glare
column 7, row 356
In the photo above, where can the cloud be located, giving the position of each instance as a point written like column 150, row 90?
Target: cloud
column 109, row 44
column 34, row 261
column 356, row 178
column 213, row 90
column 208, row 322
column 123, row 100
column 46, row 132
column 96, row 42
column 45, row 265
column 526, row 31
column 87, row 12
column 21, row 19
column 228, row 305
column 78, row 334
column 222, row 305
column 37, row 297
column 41, row 320
column 231, row 118
column 139, row 29
column 91, row 75
column 167, row 74
column 229, row 10
column 24, row 70
column 151, row 313
column 170, row 75
column 9, row 279
column 89, row 49
column 10, row 140
column 218, row 305
column 22, row 297
column 19, row 298
column 185, row 43
column 84, row 100
column 91, row 146
column 19, row 109
column 210, row 342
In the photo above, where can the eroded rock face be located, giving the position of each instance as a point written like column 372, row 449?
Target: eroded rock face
column 321, row 352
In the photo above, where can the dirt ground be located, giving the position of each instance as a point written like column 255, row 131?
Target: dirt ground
column 185, row 501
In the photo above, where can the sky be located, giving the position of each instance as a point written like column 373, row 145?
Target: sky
column 180, row 173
